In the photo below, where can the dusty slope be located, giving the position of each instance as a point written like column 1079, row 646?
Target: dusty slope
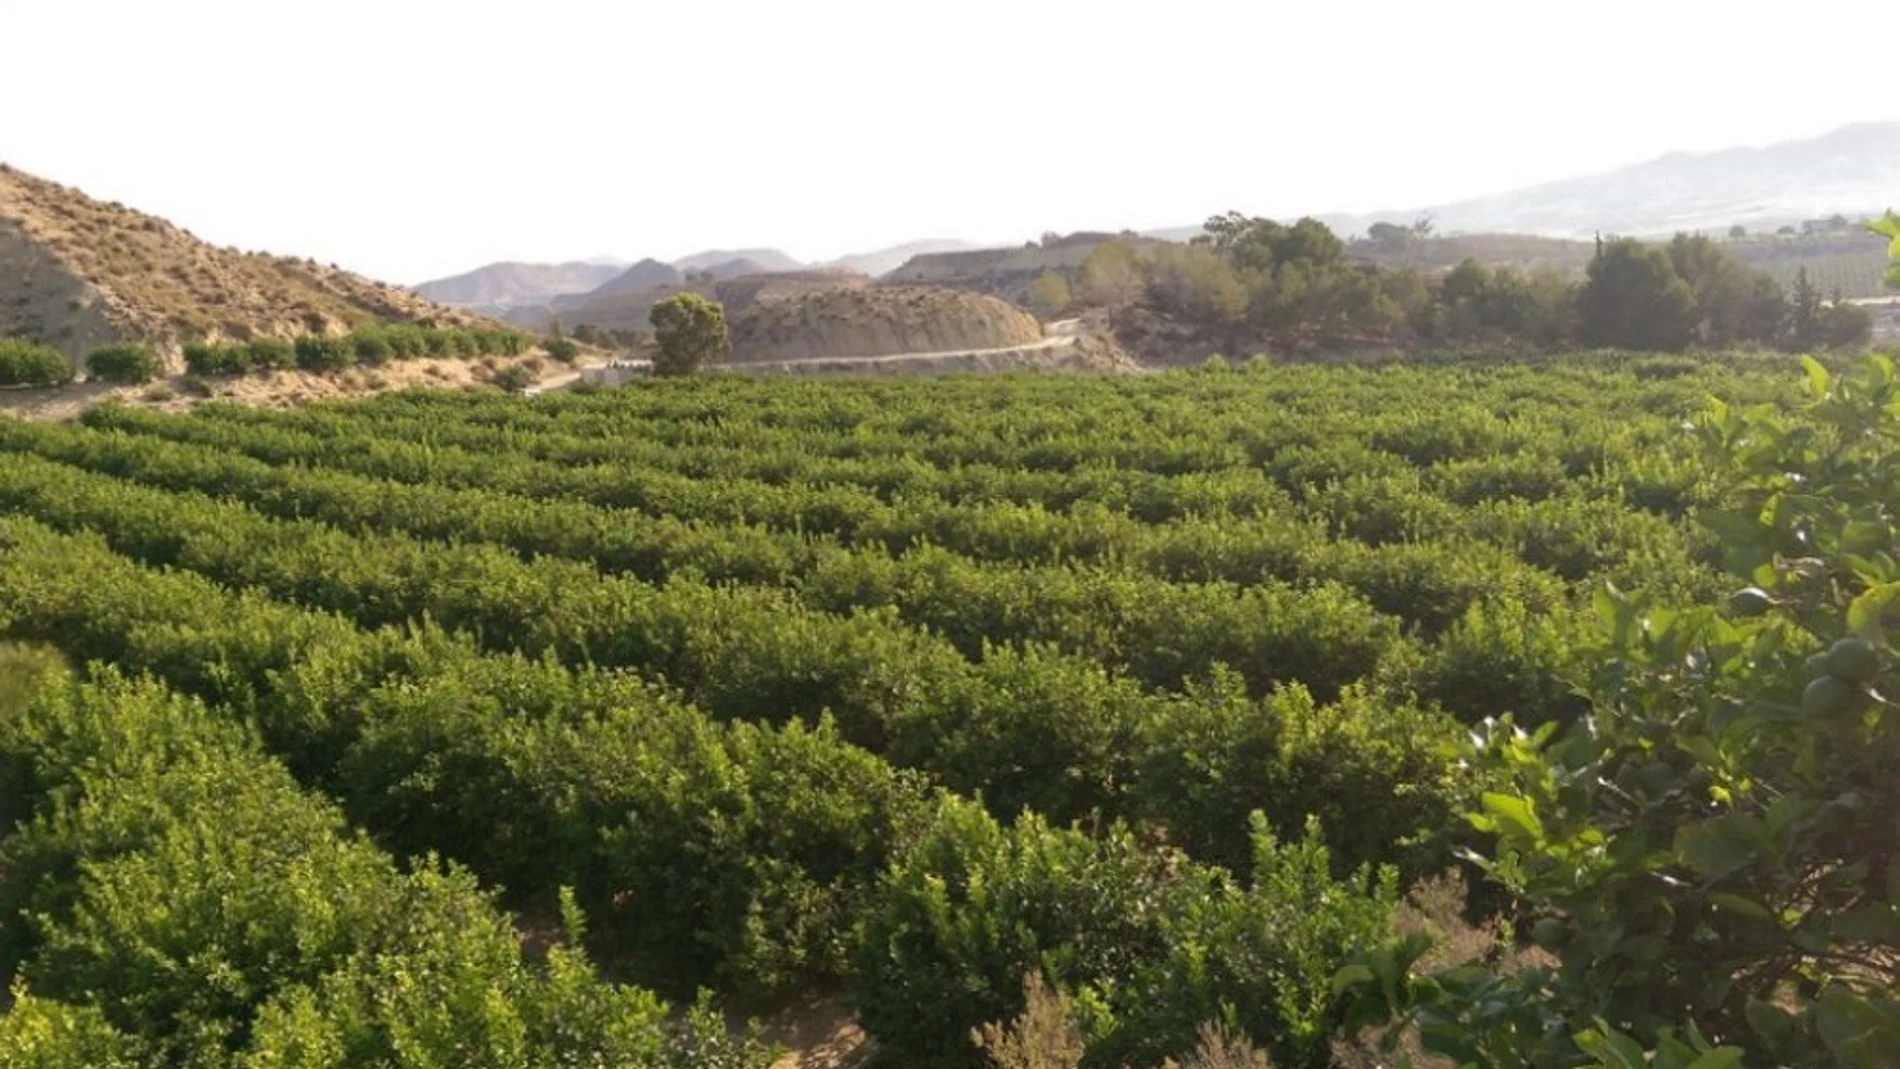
column 503, row 284
column 870, row 321
column 76, row 272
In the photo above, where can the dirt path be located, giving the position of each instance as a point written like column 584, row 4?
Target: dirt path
column 1059, row 335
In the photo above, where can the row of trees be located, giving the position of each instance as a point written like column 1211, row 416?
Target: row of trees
column 172, row 897
column 1253, row 281
column 28, row 363
column 371, row 346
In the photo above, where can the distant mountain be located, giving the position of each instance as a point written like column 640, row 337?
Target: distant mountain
column 1852, row 171
column 765, row 259
column 645, row 275
column 504, row 284
column 884, row 261
column 739, row 269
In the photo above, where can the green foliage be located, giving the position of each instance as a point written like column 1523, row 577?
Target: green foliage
column 1888, row 226
column 370, row 346
column 1049, row 293
column 562, row 349
column 27, row 363
column 1150, row 944
column 1711, row 852
column 316, row 352
column 690, row 331
column 1632, row 298
column 513, row 379
column 224, row 914
column 749, row 668
column 124, row 363
column 266, row 354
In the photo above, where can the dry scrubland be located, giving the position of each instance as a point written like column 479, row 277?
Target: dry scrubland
column 81, row 273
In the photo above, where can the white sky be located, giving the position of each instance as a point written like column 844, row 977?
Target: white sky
column 411, row 139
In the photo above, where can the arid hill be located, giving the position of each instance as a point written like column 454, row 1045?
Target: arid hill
column 878, row 321
column 628, row 310
column 78, row 273
column 504, row 284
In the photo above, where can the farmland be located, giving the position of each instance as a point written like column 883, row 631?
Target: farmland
column 892, row 687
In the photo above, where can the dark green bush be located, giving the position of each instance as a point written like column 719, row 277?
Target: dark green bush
column 372, row 347
column 316, row 352
column 562, row 349
column 26, row 363
column 513, row 379
column 265, row 354
column 212, row 358
column 124, row 363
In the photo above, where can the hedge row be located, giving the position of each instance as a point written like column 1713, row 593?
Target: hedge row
column 172, row 897
column 366, row 346
column 740, row 854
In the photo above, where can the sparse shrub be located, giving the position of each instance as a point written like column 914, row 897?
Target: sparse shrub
column 562, row 349
column 317, row 352
column 27, row 363
column 1044, row 1036
column 124, row 363
column 195, row 386
column 513, row 379
column 161, row 393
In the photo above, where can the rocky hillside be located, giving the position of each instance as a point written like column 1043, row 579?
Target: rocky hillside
column 504, row 284
column 628, row 310
column 78, row 273
column 1007, row 273
column 877, row 321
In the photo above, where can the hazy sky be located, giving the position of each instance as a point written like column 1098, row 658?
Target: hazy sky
column 413, row 139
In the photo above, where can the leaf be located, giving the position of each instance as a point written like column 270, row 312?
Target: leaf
column 1865, row 613
column 1742, row 905
column 1352, row 976
column 1716, row 848
column 1612, row 1048
column 1719, row 1058
column 1857, row 1032
column 1817, row 377
column 1514, row 815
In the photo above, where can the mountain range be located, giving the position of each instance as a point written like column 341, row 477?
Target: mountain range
column 1853, row 171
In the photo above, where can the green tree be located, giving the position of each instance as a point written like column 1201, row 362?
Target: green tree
column 1111, row 275
column 1049, row 293
column 1804, row 311
column 1734, row 302
column 690, row 331
column 1633, row 298
column 1712, row 853
column 1388, row 234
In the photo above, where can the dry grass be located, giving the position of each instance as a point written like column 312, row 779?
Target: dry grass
column 1044, row 1036
column 1436, row 907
